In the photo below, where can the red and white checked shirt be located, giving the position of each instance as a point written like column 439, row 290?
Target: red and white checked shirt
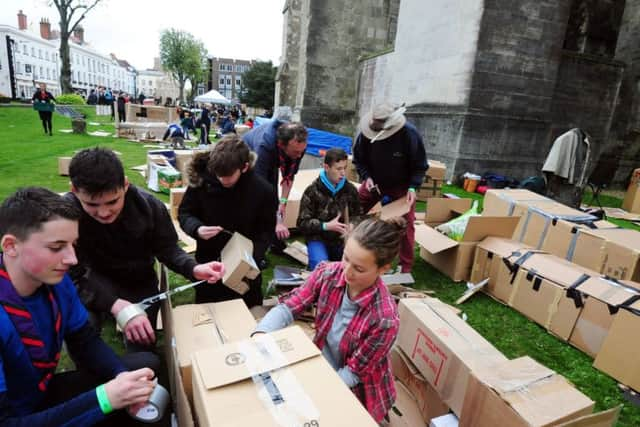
column 368, row 339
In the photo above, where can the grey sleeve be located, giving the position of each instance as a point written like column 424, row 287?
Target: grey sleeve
column 277, row 318
column 348, row 377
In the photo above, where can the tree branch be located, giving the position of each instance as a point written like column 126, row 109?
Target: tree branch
column 87, row 9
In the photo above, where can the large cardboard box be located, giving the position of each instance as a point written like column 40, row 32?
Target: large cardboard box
column 521, row 392
column 620, row 249
column 427, row 399
column 272, row 380
column 443, row 347
column 239, row 265
column 301, row 181
column 620, row 350
column 631, row 202
column 437, row 170
column 493, row 259
column 200, row 326
column 503, row 202
column 454, row 258
column 600, row 299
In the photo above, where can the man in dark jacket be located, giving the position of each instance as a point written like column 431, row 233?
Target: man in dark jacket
column 280, row 146
column 328, row 208
column 390, row 158
column 122, row 101
column 224, row 196
column 121, row 233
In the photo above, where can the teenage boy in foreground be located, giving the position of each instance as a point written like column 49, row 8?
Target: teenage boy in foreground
column 122, row 232
column 39, row 309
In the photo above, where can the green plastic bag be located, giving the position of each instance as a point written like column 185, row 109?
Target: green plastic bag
column 455, row 228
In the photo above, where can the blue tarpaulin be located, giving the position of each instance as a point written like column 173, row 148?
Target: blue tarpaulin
column 319, row 139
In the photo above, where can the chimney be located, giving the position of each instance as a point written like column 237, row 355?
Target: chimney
column 22, row 21
column 45, row 29
column 79, row 34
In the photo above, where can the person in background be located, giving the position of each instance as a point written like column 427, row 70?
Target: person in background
column 39, row 310
column 123, row 230
column 43, row 102
column 229, row 123
column 249, row 123
column 224, row 196
column 205, row 125
column 356, row 317
column 280, row 146
column 391, row 161
column 176, row 133
column 122, row 101
column 328, row 208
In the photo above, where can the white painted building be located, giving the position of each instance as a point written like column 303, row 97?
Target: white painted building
column 34, row 58
column 157, row 84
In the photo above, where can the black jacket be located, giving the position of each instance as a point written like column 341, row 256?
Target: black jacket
column 318, row 205
column 249, row 207
column 117, row 260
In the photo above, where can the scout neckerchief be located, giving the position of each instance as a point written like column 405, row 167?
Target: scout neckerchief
column 330, row 186
column 23, row 322
column 287, row 166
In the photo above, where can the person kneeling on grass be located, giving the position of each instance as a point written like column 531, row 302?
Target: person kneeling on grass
column 328, row 208
column 39, row 309
column 357, row 319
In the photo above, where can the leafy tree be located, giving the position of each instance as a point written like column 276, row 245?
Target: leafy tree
column 68, row 10
column 259, row 85
column 181, row 55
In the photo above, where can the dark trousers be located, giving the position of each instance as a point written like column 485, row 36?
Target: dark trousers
column 45, row 117
column 122, row 116
column 65, row 386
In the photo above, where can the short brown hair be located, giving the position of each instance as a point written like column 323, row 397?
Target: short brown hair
column 382, row 237
column 334, row 155
column 229, row 155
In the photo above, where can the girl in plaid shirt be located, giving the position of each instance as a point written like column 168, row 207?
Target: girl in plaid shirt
column 357, row 320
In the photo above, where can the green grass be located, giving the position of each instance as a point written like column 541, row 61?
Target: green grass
column 30, row 158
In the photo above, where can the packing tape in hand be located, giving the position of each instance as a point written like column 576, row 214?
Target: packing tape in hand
column 128, row 313
column 154, row 409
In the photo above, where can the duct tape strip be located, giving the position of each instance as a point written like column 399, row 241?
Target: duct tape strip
column 512, row 206
column 128, row 313
column 574, row 293
column 543, row 235
column 627, row 304
column 532, row 275
column 518, row 263
column 525, row 225
column 278, row 389
column 572, row 245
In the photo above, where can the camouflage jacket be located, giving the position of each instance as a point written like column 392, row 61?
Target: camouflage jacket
column 318, row 205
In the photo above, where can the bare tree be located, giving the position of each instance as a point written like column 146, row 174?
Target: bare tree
column 71, row 12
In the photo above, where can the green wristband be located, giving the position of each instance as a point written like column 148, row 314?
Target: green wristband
column 413, row 190
column 283, row 200
column 324, row 226
column 103, row 400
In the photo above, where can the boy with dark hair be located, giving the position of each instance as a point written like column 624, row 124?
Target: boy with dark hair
column 122, row 232
column 327, row 208
column 225, row 194
column 39, row 309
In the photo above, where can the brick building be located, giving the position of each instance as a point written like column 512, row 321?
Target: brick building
column 226, row 75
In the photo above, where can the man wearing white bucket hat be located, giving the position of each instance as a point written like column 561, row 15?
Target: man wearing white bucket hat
column 391, row 161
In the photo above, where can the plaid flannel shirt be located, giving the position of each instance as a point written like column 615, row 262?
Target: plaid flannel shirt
column 366, row 342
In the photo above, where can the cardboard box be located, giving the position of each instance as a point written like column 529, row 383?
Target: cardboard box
column 237, row 257
column 503, row 202
column 631, row 202
column 521, row 392
column 168, row 178
column 427, row 399
column 454, row 258
column 183, row 160
column 437, row 170
column 620, row 249
column 404, row 412
column 63, row 165
column 398, row 207
column 297, row 385
column 443, row 347
column 441, row 210
column 429, row 188
column 175, row 198
column 489, row 262
column 600, row 299
column 301, row 181
column 620, row 351
column 200, row 326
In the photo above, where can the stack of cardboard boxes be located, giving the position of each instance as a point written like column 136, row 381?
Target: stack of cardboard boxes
column 146, row 122
column 631, row 202
column 433, row 180
column 481, row 386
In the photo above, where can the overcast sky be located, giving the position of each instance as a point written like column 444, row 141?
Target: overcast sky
column 242, row 29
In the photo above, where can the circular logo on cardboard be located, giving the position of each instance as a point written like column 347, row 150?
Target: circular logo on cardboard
column 234, row 359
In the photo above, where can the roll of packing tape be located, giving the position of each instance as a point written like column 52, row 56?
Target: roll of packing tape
column 154, row 409
column 128, row 313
